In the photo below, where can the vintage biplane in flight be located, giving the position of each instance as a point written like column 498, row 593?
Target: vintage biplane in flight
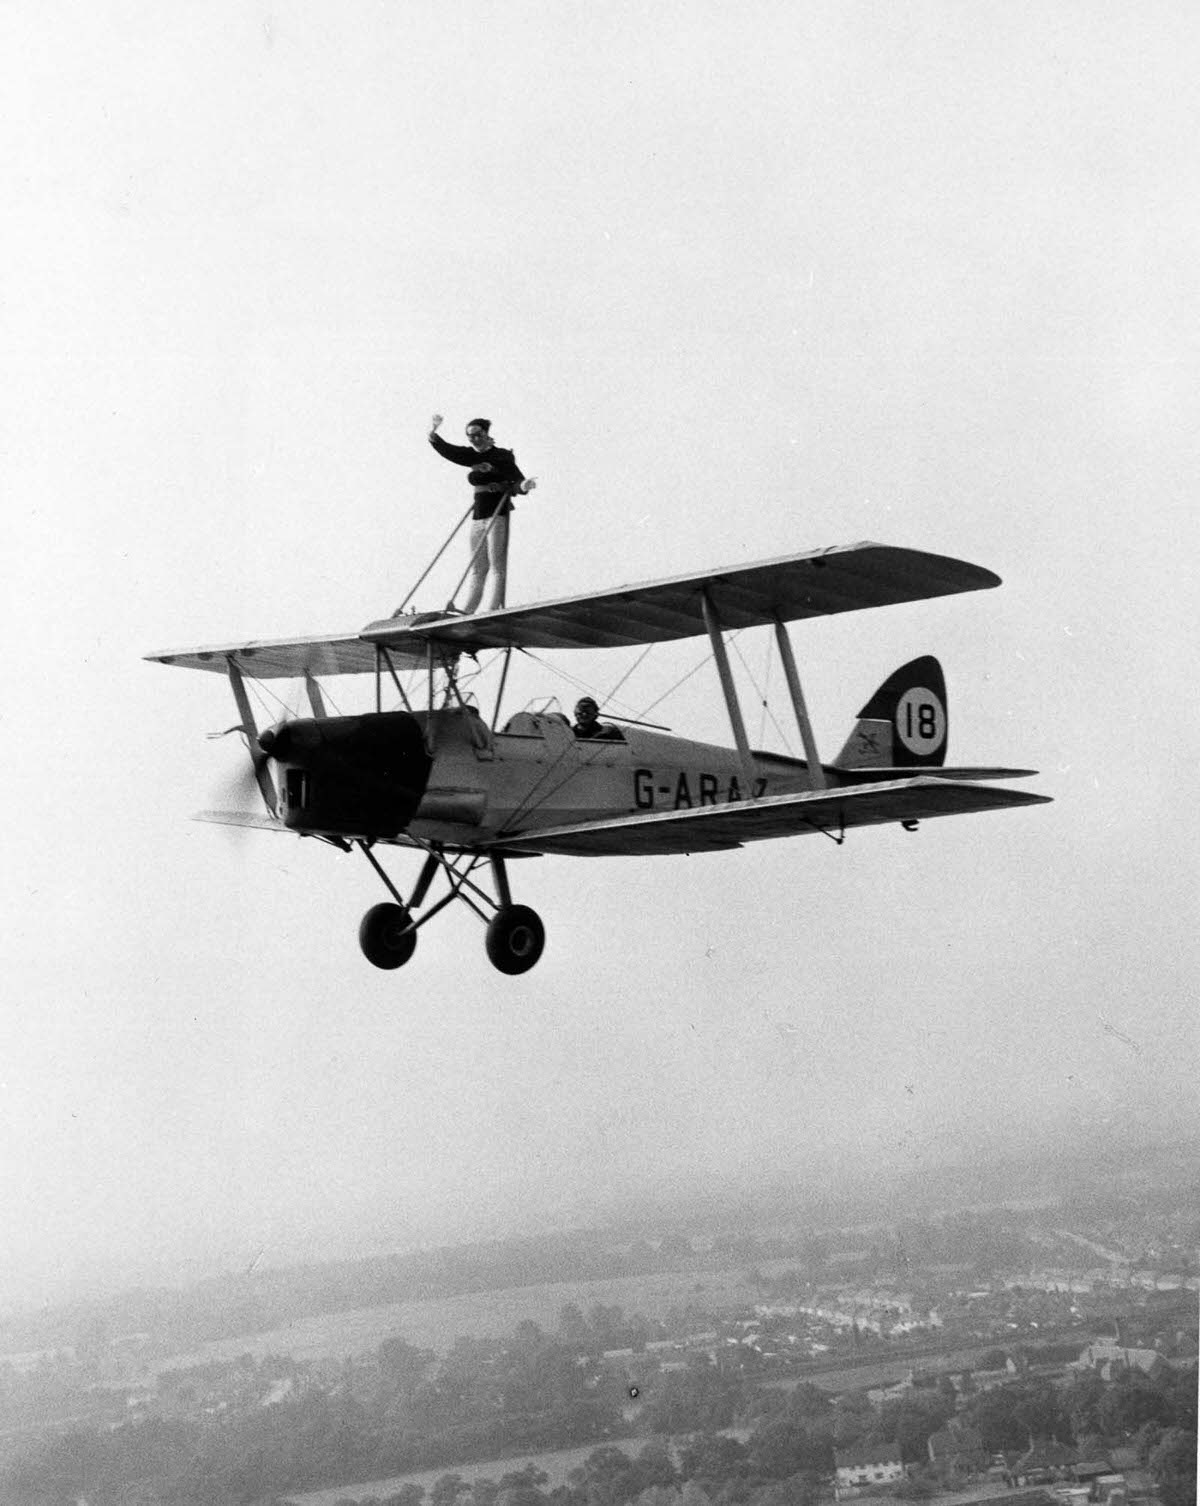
column 469, row 793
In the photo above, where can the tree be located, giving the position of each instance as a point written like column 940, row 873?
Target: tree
column 712, row 1456
column 787, row 1448
column 528, row 1335
column 853, row 1415
column 528, row 1476
column 693, row 1400
column 1090, row 1445
column 607, row 1477
column 808, row 1400
column 1173, row 1465
column 993, row 1415
column 797, row 1490
column 655, row 1467
column 658, row 1495
column 918, row 1487
column 910, row 1422
column 1129, row 1402
column 484, row 1492
column 404, row 1365
column 573, row 1326
column 1039, row 1410
column 607, row 1322
column 446, row 1490
column 520, row 1495
column 1083, row 1398
column 523, row 1487
column 1147, row 1438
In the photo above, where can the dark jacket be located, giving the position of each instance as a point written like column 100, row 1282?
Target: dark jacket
column 494, row 487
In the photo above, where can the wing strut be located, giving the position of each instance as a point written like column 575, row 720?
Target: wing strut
column 315, row 699
column 816, row 773
column 262, row 774
column 713, row 624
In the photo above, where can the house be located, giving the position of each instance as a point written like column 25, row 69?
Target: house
column 1109, row 1359
column 1088, row 1471
column 1071, row 1495
column 1043, row 1464
column 878, row 1395
column 957, row 1449
column 867, row 1466
column 1001, row 1467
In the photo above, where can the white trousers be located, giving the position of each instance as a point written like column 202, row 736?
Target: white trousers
column 489, row 562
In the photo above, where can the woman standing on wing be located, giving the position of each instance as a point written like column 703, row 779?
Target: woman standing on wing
column 494, row 477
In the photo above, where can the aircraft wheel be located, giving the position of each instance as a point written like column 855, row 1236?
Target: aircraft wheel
column 515, row 938
column 383, row 937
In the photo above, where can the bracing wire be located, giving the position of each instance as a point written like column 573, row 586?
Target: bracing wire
column 570, row 679
column 612, row 694
column 762, row 722
column 695, row 670
column 762, row 695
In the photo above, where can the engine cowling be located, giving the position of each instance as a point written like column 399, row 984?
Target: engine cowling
column 351, row 776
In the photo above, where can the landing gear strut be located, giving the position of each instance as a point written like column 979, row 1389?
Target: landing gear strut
column 388, row 933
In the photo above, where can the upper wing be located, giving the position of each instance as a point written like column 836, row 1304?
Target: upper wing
column 847, row 578
column 716, row 826
column 843, row 579
column 289, row 658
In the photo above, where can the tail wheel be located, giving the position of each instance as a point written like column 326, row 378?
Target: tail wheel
column 385, row 937
column 515, row 938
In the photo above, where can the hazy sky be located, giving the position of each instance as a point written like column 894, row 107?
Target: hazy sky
column 734, row 281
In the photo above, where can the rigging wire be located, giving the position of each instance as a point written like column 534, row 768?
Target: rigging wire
column 696, row 668
column 529, row 804
column 762, row 721
column 570, row 679
column 612, row 694
column 765, row 704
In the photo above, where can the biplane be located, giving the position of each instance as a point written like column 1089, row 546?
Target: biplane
column 472, row 794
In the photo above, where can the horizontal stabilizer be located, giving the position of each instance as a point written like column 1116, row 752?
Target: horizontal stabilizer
column 712, row 827
column 871, row 775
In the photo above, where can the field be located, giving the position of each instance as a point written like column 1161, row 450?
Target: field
column 557, row 1466
column 436, row 1324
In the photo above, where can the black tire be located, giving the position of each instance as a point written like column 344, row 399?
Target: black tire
column 383, row 937
column 515, row 938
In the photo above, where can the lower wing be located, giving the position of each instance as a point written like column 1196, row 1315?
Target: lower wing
column 712, row 827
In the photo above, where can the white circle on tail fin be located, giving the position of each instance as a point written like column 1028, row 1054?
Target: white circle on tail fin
column 921, row 721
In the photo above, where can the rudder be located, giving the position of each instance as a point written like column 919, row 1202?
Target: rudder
column 904, row 724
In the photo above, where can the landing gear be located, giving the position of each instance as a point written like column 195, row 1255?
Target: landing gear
column 515, row 934
column 386, row 936
column 515, row 938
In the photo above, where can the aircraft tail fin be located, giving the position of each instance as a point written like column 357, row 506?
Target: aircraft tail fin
column 904, row 724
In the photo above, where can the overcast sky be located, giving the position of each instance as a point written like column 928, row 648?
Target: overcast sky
column 734, row 281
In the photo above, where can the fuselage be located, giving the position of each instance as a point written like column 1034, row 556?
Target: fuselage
column 451, row 779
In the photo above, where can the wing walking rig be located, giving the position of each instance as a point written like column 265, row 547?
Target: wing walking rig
column 473, row 796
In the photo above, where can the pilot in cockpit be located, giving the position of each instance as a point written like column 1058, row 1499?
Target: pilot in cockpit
column 588, row 724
